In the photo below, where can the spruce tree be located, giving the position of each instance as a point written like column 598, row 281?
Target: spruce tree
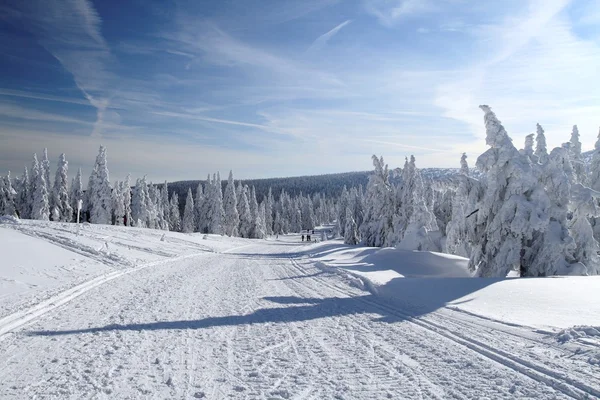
column 187, row 224
column 232, row 218
column 60, row 194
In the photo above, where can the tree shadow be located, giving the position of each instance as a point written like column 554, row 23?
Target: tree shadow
column 431, row 294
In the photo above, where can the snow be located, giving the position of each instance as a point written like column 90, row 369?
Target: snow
column 137, row 313
column 543, row 303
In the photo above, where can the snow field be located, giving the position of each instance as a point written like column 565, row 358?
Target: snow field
column 259, row 319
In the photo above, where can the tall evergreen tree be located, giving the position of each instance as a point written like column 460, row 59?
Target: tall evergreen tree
column 232, row 218
column 76, row 193
column 541, row 152
column 101, row 196
column 187, row 224
column 60, row 193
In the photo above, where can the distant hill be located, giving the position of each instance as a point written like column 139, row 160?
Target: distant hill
column 331, row 184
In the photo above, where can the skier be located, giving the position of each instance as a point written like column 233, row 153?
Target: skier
column 303, row 238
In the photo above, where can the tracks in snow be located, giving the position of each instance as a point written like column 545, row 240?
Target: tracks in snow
column 23, row 317
column 568, row 386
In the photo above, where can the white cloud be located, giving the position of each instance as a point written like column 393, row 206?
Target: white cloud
column 322, row 40
column 388, row 12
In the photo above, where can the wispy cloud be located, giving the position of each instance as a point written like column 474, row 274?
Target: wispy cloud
column 70, row 31
column 388, row 12
column 322, row 40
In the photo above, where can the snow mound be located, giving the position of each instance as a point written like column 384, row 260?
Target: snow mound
column 577, row 332
column 9, row 219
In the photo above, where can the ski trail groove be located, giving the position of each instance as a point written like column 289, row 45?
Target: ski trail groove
column 569, row 387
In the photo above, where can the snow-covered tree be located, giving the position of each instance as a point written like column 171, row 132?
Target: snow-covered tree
column 23, row 201
column 200, row 210
column 127, row 218
column 541, row 152
column 139, row 209
column 257, row 230
column 101, row 196
column 45, row 168
column 269, row 203
column 118, row 206
column 594, row 180
column 246, row 223
column 60, row 194
column 527, row 151
column 175, row 216
column 76, row 193
column 460, row 231
column 232, row 218
column 379, row 206
column 350, row 230
column 40, row 209
column 576, row 158
column 513, row 208
column 7, row 196
column 187, row 224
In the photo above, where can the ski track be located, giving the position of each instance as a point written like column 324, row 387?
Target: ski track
column 253, row 323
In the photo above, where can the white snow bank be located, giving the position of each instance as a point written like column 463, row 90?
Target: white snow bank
column 30, row 265
column 578, row 332
column 404, row 278
column 39, row 259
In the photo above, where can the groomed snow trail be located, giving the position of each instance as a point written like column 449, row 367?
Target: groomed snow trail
column 254, row 323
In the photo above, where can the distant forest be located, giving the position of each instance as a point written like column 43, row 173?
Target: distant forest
column 330, row 185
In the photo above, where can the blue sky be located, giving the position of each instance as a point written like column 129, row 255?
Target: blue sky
column 177, row 89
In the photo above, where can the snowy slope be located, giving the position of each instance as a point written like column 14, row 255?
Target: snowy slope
column 214, row 318
column 544, row 303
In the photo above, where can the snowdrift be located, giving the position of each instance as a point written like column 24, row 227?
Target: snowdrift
column 423, row 282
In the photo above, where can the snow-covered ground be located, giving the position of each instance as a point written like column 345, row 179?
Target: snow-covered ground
column 109, row 312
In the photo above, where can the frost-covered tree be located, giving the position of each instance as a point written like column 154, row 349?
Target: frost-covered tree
column 7, row 196
column 269, row 204
column 187, row 224
column 45, row 168
column 576, row 158
column 139, row 209
column 41, row 207
column 216, row 213
column 118, row 206
column 513, row 208
column 350, row 230
column 200, row 210
column 541, row 152
column 101, row 196
column 379, row 206
column 60, row 193
column 460, row 231
column 128, row 220
column 232, row 217
column 175, row 216
column 594, row 180
column 24, row 196
column 76, row 193
column 527, row 151
column 246, row 223
column 257, row 226
column 308, row 215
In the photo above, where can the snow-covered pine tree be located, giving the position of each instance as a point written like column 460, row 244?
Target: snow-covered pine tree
column 199, row 207
column 138, row 204
column 216, row 214
column 24, row 195
column 7, row 196
column 164, row 194
column 76, row 193
column 379, row 206
column 232, row 218
column 576, row 158
column 594, row 180
column 118, row 206
column 152, row 221
column 246, row 224
column 127, row 201
column 45, row 168
column 269, row 204
column 350, row 230
column 101, row 197
column 308, row 217
column 527, row 151
column 341, row 212
column 175, row 216
column 41, row 207
column 187, row 224
column 541, row 152
column 256, row 231
column 513, row 208
column 60, row 194
column 460, row 230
